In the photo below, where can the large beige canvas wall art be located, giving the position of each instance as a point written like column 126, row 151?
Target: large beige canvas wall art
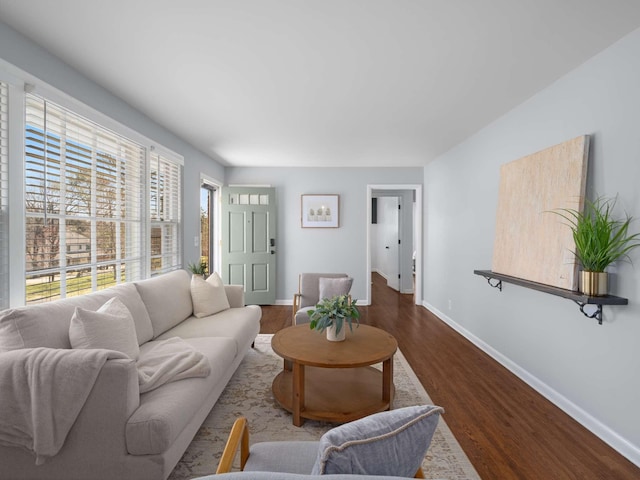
column 531, row 242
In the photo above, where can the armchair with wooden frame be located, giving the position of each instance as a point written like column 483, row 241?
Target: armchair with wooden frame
column 412, row 436
column 309, row 292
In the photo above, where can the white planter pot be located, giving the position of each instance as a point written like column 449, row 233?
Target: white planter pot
column 331, row 333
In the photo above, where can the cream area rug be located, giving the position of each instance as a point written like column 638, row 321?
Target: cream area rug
column 249, row 394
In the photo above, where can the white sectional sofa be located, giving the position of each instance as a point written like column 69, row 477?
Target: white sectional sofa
column 119, row 432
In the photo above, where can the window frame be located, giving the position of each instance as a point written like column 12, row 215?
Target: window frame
column 215, row 249
column 174, row 257
column 4, row 196
column 20, row 83
column 82, row 187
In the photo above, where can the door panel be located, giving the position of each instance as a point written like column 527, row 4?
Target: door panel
column 260, row 277
column 248, row 242
column 236, row 274
column 260, row 232
column 236, row 232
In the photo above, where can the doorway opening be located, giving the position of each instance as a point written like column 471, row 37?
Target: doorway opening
column 209, row 225
column 394, row 242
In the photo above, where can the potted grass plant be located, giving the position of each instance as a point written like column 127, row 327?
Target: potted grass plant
column 331, row 314
column 198, row 268
column 600, row 240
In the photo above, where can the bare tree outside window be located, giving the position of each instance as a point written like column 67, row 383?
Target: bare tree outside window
column 84, row 197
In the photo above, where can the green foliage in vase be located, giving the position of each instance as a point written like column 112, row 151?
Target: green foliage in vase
column 600, row 238
column 334, row 311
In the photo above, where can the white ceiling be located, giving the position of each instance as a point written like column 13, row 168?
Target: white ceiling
column 323, row 82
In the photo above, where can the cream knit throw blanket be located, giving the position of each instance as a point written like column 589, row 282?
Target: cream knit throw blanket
column 43, row 391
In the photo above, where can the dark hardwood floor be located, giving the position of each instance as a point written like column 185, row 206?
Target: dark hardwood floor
column 507, row 430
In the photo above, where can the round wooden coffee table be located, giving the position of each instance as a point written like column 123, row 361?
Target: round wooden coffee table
column 334, row 381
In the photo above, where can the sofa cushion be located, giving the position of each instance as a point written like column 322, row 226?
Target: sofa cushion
column 110, row 327
column 208, row 296
column 47, row 324
column 167, row 298
column 164, row 412
column 241, row 324
column 387, row 443
column 128, row 294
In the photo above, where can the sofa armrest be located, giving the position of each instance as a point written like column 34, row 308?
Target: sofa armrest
column 235, row 295
column 97, row 436
column 113, row 399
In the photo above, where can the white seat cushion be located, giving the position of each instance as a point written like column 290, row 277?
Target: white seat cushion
column 242, row 324
column 164, row 412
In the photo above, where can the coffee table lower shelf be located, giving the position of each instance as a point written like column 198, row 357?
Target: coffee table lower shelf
column 336, row 395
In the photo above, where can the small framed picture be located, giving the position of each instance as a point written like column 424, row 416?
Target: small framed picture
column 320, row 211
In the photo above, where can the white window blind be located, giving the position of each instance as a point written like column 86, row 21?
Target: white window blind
column 84, row 202
column 4, row 197
column 165, row 209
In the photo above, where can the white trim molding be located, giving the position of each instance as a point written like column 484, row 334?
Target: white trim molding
column 418, row 225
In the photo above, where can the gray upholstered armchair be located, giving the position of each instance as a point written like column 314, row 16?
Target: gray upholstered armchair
column 311, row 289
column 389, row 445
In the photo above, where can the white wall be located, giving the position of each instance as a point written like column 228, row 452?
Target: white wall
column 322, row 250
column 591, row 370
column 29, row 57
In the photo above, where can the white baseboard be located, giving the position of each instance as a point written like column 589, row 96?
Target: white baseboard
column 386, row 279
column 284, row 302
column 606, row 434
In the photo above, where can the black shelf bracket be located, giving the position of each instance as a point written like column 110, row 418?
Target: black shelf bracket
column 597, row 314
column 496, row 283
column 495, row 280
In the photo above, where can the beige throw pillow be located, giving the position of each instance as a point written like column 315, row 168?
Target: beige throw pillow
column 111, row 327
column 330, row 287
column 208, row 295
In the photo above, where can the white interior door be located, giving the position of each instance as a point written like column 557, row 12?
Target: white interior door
column 388, row 222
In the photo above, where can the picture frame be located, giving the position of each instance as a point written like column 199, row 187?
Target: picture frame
column 320, row 211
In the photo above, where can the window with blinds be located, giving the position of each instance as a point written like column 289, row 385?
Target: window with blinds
column 165, row 209
column 4, row 197
column 84, row 202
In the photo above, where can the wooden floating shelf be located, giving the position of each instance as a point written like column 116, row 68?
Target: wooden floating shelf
column 496, row 279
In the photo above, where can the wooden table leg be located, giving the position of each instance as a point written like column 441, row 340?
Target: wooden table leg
column 298, row 393
column 387, row 381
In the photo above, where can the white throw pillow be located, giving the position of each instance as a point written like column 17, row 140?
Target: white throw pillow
column 111, row 327
column 208, row 295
